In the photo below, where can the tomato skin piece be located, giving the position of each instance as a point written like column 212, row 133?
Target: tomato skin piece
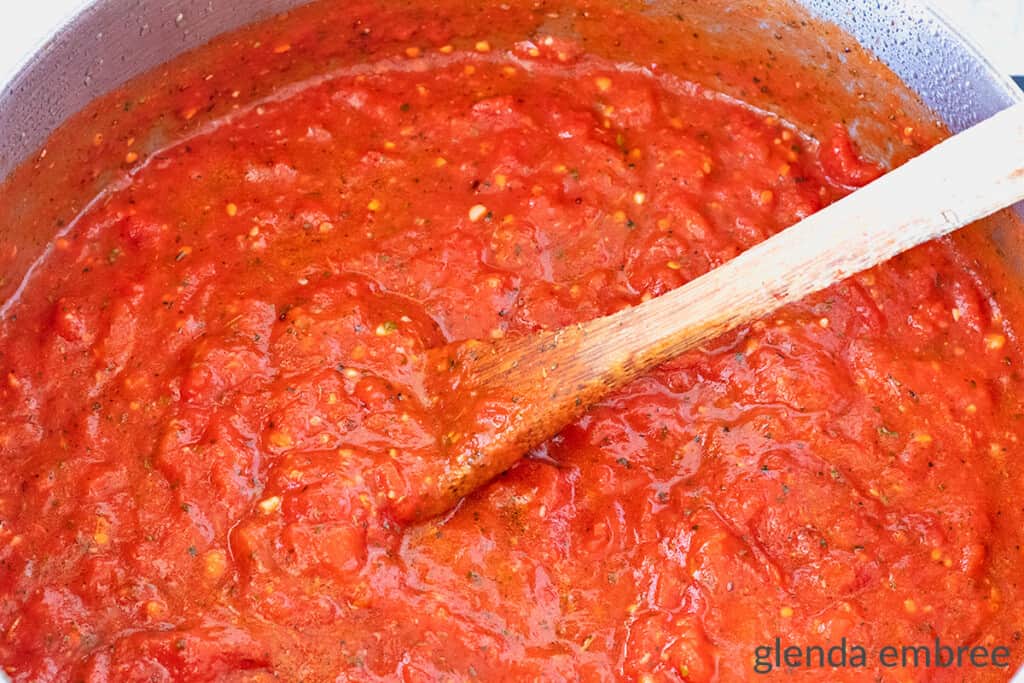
column 843, row 163
column 73, row 323
column 337, row 548
column 373, row 392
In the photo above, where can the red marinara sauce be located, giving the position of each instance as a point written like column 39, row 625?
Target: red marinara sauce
column 213, row 391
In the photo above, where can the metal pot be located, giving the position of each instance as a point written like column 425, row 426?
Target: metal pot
column 110, row 41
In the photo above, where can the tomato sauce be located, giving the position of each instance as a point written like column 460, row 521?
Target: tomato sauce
column 213, row 393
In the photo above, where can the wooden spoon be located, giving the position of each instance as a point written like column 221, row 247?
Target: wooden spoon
column 510, row 395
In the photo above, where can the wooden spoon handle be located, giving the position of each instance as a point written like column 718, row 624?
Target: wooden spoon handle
column 544, row 381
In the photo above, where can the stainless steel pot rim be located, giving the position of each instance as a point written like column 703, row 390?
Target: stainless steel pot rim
column 949, row 70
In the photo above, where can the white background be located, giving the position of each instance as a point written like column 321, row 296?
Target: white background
column 996, row 25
